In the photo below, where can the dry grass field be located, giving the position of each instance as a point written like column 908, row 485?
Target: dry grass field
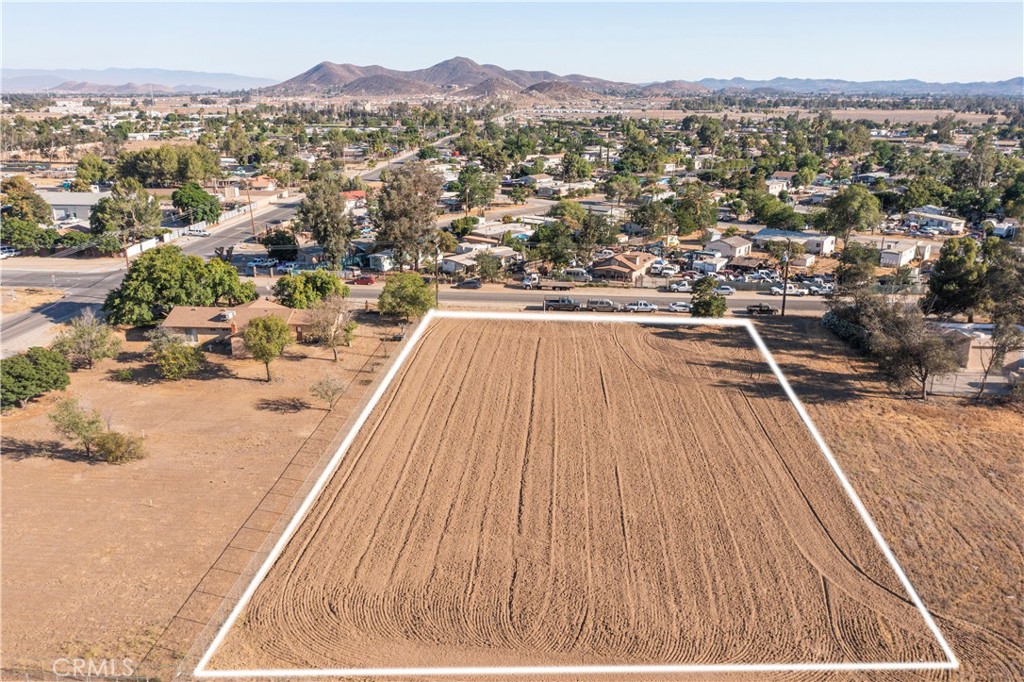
column 546, row 493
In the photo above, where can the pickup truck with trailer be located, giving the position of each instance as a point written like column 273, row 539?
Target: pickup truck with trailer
column 562, row 303
column 535, row 281
column 762, row 309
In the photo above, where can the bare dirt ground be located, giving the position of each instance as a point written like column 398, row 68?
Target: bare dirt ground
column 98, row 559
column 579, row 493
column 20, row 299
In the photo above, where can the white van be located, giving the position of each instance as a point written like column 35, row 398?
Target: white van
column 577, row 275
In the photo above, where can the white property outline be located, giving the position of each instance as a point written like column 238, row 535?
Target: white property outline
column 951, row 662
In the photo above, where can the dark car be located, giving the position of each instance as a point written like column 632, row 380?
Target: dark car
column 469, row 284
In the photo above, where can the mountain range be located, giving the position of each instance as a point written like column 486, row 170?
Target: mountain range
column 160, row 81
column 461, row 76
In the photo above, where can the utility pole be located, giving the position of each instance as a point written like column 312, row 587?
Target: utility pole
column 785, row 275
column 252, row 220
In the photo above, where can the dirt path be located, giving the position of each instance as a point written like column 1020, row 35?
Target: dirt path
column 572, row 493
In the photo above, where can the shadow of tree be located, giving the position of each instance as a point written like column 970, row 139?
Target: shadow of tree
column 18, row 449
column 283, row 405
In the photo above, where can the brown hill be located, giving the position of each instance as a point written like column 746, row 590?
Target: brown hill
column 493, row 87
column 673, row 88
column 561, row 92
column 383, row 85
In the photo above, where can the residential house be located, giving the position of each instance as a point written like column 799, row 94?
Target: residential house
column 627, row 266
column 731, row 246
column 899, row 254
column 941, row 222
column 813, row 242
column 464, row 262
column 205, row 324
column 72, row 204
column 263, row 183
column 780, row 181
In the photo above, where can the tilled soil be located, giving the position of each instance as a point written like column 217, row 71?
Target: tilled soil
column 547, row 493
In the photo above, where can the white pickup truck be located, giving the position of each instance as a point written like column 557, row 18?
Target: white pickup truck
column 791, row 290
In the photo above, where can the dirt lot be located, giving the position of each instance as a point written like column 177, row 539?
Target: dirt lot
column 534, row 517
column 20, row 299
column 97, row 559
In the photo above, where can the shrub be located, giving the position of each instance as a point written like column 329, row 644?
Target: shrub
column 122, row 374
column 87, row 340
column 179, row 361
column 115, row 447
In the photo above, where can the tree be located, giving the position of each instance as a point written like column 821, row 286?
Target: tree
column 856, row 269
column 655, row 217
column 306, row 289
column 75, row 422
column 488, row 266
column 1006, row 338
column 20, row 200
column 706, row 302
column 694, row 209
column 330, row 323
column 406, row 295
column 128, row 209
column 281, row 244
column 622, row 187
column 853, row 209
column 519, row 194
column 86, row 340
column 405, row 212
column 957, row 282
column 571, row 213
column 92, row 170
column 164, row 277
column 200, row 205
column 20, row 233
column 322, row 212
column 328, row 389
column 30, row 374
column 476, row 187
column 907, row 351
column 266, row 338
column 575, row 167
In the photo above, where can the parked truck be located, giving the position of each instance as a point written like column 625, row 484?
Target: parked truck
column 762, row 309
column 535, row 281
column 562, row 303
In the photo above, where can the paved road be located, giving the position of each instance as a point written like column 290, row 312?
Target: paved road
column 89, row 289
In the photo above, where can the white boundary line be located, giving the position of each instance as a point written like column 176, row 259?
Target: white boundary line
column 951, row 662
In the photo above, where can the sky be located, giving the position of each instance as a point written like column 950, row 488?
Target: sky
column 634, row 42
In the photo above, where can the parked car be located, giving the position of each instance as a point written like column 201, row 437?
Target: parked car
column 365, row 279
column 197, row 232
column 261, row 263
column 725, row 290
column 762, row 309
column 286, row 266
column 640, row 307
column 822, row 289
column 669, row 271
column 604, row 254
column 469, row 284
column 681, row 287
column 603, row 305
column 9, row 252
column 679, row 307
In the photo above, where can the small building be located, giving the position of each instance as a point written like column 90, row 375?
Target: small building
column 941, row 222
column 263, row 183
column 709, row 265
column 382, row 261
column 72, row 204
column 813, row 242
column 731, row 246
column 205, row 324
column 627, row 266
column 897, row 255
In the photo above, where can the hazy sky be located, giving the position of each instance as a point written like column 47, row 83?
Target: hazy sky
column 621, row 41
